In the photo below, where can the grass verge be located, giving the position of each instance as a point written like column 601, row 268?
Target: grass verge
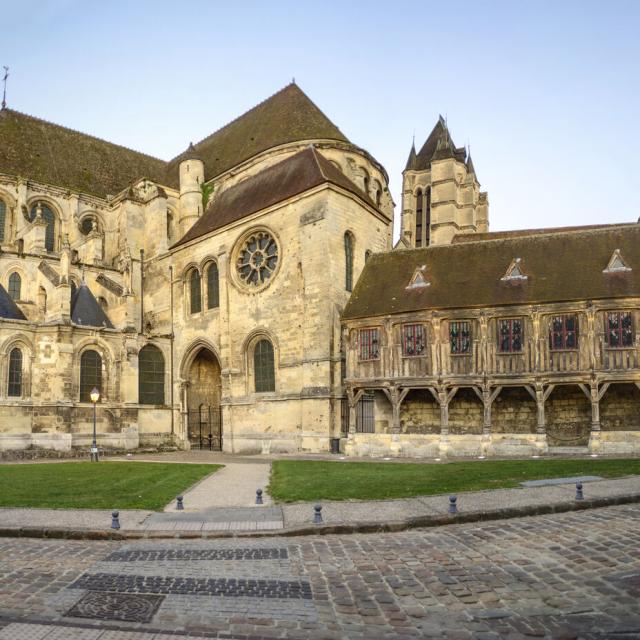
column 296, row 480
column 105, row 485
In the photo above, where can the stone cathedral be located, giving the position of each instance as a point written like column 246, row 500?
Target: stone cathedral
column 245, row 296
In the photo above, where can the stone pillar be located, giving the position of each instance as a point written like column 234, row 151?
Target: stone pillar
column 444, row 398
column 541, row 427
column 595, row 395
column 352, row 398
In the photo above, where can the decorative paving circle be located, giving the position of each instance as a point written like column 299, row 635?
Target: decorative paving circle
column 129, row 607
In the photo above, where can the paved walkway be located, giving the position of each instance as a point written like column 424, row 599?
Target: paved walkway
column 336, row 516
column 561, row 576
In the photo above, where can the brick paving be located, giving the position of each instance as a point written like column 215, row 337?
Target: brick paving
column 571, row 575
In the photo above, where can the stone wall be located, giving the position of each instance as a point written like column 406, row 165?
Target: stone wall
column 620, row 408
column 568, row 417
column 420, row 413
column 514, row 411
column 466, row 413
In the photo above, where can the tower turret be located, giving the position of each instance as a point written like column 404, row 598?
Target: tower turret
column 191, row 181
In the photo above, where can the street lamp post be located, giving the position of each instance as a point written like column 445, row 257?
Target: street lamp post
column 95, row 396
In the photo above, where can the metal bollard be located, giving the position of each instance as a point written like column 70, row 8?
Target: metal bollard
column 453, row 507
column 259, row 496
column 115, row 521
column 579, row 494
column 317, row 516
column 179, row 505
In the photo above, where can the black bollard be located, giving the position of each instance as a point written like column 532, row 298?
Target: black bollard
column 115, row 520
column 259, row 496
column 579, row 494
column 453, row 507
column 179, row 505
column 317, row 515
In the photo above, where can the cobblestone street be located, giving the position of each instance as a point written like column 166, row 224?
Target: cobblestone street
column 573, row 575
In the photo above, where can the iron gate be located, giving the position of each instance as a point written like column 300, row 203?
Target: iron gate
column 205, row 428
column 365, row 415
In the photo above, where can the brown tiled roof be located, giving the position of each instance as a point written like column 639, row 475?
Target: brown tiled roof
column 40, row 150
column 297, row 174
column 287, row 116
column 563, row 266
column 438, row 145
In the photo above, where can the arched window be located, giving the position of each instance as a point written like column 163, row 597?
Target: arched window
column 15, row 286
column 263, row 371
column 427, row 217
column 50, row 219
column 196, row 291
column 15, row 373
column 348, row 261
column 378, row 196
column 419, row 218
column 3, row 219
column 150, row 375
column 169, row 225
column 90, row 374
column 365, row 182
column 213, row 294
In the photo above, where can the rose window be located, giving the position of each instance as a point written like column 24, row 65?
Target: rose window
column 258, row 258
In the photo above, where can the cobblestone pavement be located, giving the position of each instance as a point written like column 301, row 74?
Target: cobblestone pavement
column 572, row 575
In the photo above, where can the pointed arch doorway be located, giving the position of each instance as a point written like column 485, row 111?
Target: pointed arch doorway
column 204, row 415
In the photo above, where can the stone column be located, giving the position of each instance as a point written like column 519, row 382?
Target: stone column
column 595, row 395
column 541, row 427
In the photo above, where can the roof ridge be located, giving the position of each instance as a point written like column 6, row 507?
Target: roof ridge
column 82, row 133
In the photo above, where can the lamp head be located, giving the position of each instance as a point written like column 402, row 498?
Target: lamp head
column 94, row 395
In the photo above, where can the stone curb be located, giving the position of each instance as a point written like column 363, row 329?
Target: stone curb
column 324, row 529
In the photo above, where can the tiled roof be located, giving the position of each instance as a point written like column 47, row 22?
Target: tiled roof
column 43, row 151
column 39, row 150
column 287, row 116
column 297, row 174
column 8, row 308
column 563, row 266
column 437, row 146
column 86, row 311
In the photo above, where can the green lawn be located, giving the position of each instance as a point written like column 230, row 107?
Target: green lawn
column 293, row 480
column 105, row 485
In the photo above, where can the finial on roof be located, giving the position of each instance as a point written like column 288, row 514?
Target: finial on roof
column 293, row 80
column 4, row 91
column 412, row 161
column 191, row 153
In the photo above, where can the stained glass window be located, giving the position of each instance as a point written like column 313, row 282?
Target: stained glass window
column 619, row 329
column 369, row 344
column 213, row 294
column 150, row 375
column 196, row 291
column 460, row 337
column 348, row 261
column 86, row 226
column 258, row 258
column 50, row 219
column 263, row 367
column 413, row 343
column 510, row 335
column 90, row 374
column 563, row 333
column 15, row 373
column 15, row 286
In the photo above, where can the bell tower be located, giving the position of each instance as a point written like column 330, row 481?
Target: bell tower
column 441, row 194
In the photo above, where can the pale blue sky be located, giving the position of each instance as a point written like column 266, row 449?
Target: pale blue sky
column 546, row 93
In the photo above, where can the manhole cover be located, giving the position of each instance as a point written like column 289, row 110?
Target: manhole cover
column 103, row 605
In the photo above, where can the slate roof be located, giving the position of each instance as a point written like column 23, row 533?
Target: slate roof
column 50, row 153
column 86, row 311
column 287, row 116
column 299, row 173
column 39, row 150
column 8, row 308
column 438, row 145
column 563, row 266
